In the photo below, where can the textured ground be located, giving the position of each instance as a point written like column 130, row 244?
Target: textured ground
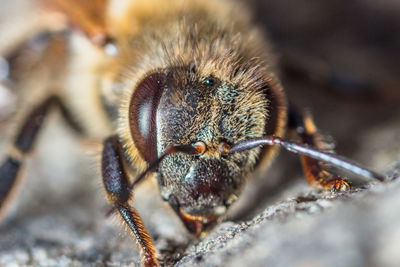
column 59, row 216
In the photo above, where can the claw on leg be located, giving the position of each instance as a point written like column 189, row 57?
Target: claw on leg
column 339, row 184
column 317, row 176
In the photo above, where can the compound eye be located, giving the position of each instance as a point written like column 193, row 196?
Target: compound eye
column 142, row 114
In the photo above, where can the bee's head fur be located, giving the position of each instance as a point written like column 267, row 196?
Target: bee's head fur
column 194, row 109
column 178, row 105
column 210, row 88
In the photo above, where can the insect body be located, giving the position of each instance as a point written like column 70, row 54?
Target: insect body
column 188, row 93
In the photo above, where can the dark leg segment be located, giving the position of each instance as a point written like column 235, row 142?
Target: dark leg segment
column 8, row 177
column 23, row 144
column 31, row 126
column 117, row 188
column 314, row 170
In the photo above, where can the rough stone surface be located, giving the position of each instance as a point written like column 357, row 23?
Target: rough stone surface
column 58, row 216
column 358, row 229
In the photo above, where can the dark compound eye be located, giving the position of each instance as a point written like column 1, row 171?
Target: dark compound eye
column 210, row 81
column 142, row 114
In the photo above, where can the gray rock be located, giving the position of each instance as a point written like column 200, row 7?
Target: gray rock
column 356, row 229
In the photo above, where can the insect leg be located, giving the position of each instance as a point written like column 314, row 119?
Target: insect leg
column 117, row 188
column 23, row 144
column 314, row 170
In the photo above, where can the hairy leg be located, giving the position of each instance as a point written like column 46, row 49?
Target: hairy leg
column 118, row 192
column 314, row 170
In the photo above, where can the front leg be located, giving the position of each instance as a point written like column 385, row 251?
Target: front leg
column 116, row 184
column 314, row 170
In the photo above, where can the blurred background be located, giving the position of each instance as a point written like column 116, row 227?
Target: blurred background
column 339, row 59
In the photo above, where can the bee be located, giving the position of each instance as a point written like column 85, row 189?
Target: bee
column 181, row 91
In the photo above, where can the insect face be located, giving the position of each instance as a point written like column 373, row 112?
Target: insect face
column 177, row 106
